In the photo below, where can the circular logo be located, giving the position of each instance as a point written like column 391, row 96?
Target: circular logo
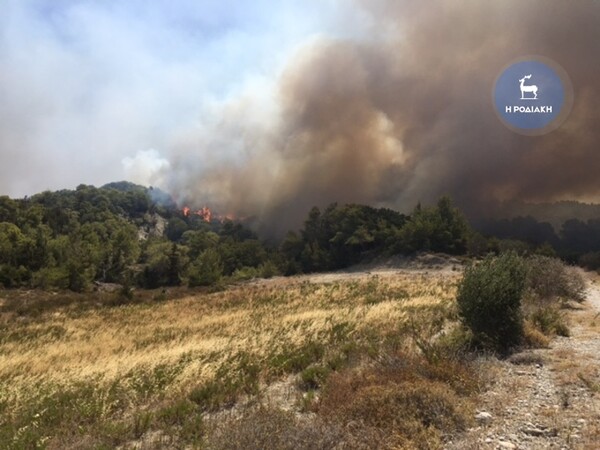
column 532, row 96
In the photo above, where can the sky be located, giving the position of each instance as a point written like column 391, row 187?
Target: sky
column 97, row 91
column 266, row 108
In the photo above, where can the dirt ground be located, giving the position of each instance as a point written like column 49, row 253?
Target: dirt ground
column 546, row 398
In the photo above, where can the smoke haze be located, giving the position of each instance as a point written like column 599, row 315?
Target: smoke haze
column 405, row 115
column 392, row 108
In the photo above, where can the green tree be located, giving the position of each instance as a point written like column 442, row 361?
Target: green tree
column 235, row 255
column 442, row 228
column 155, row 260
column 14, row 248
column 454, row 229
column 199, row 240
column 206, row 270
column 175, row 229
column 489, row 300
column 174, row 268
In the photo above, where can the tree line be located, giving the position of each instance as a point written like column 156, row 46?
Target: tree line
column 136, row 236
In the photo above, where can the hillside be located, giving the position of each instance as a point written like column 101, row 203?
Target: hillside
column 139, row 237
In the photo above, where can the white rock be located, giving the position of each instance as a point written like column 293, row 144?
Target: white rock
column 505, row 444
column 483, row 416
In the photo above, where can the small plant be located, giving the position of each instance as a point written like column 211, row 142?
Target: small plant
column 534, row 338
column 313, row 377
column 142, row 423
column 489, row 301
column 161, row 296
column 550, row 321
column 261, row 428
column 590, row 384
column 412, row 403
column 294, row 361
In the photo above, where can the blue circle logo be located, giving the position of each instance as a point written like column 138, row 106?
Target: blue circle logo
column 532, row 96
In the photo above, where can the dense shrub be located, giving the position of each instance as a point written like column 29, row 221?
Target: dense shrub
column 489, row 301
column 550, row 278
column 245, row 273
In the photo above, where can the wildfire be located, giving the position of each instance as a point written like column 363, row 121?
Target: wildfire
column 204, row 213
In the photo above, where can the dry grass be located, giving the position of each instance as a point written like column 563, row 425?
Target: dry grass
column 209, row 328
column 117, row 373
column 412, row 402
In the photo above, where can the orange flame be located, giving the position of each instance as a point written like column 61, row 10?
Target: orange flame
column 205, row 213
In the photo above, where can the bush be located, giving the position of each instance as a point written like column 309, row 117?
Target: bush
column 268, row 269
column 314, row 376
column 550, row 321
column 266, row 427
column 11, row 276
column 489, row 301
column 51, row 277
column 549, row 278
column 410, row 407
column 245, row 273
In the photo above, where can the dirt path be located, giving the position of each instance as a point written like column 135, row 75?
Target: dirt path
column 551, row 399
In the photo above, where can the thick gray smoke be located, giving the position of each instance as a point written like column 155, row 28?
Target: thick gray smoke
column 405, row 115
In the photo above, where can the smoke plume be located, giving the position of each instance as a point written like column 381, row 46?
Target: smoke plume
column 265, row 110
column 405, row 115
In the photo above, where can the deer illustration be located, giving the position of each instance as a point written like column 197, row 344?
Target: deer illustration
column 532, row 88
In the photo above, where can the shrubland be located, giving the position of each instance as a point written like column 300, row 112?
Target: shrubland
column 369, row 361
column 197, row 370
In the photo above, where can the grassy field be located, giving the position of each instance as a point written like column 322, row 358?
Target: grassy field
column 158, row 372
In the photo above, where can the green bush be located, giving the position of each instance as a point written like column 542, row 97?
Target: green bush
column 314, row 376
column 489, row 301
column 51, row 277
column 245, row 273
column 268, row 269
column 11, row 276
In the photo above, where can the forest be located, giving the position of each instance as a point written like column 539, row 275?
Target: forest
column 139, row 237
